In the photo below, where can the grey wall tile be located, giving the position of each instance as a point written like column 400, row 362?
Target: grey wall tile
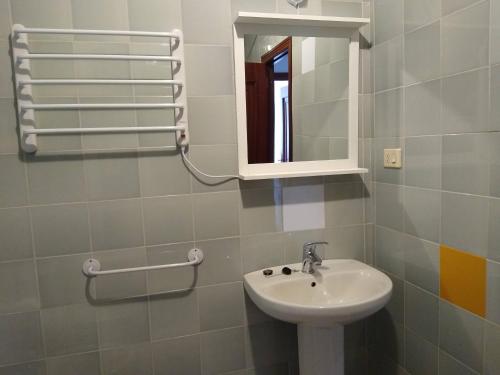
column 21, row 338
column 466, row 163
column 55, row 179
column 221, row 254
column 494, row 164
column 389, row 254
column 112, row 178
column 495, row 31
column 492, row 352
column 15, row 232
column 260, row 211
column 421, row 313
column 207, row 22
column 69, row 329
column 128, row 361
column 5, row 19
column 262, row 251
column 422, row 263
column 180, row 355
column 209, row 70
column 344, row 204
column 94, row 15
column 493, row 290
column 421, row 356
column 465, row 39
column 389, row 210
column 8, row 124
column 6, row 89
column 18, row 287
column 216, row 215
column 493, row 230
column 158, row 15
column 223, row 351
column 420, row 12
column 52, row 270
column 423, row 109
column 342, row 8
column 461, row 335
column 221, row 306
column 388, row 19
column 13, row 190
column 116, row 224
column 422, row 213
column 423, row 161
column 77, row 364
column 253, row 6
column 465, row 102
column 53, row 13
column 30, row 368
column 466, row 232
column 61, row 229
column 494, row 97
column 123, row 323
column 346, row 242
column 423, row 54
column 174, row 314
column 168, row 220
column 388, row 64
column 389, row 113
column 449, row 6
column 450, row 366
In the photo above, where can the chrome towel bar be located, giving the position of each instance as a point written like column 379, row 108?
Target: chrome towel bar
column 92, row 267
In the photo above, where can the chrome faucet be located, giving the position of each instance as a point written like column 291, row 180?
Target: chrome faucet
column 310, row 258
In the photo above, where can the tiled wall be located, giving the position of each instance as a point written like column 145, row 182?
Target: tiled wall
column 435, row 69
column 129, row 208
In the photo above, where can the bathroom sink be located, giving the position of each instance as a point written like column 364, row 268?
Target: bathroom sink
column 339, row 292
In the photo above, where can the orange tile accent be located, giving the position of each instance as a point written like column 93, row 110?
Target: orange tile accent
column 463, row 279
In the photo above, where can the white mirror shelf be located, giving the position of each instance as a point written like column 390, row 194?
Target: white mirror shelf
column 283, row 156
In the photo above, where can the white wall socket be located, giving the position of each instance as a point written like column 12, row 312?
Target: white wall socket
column 392, row 158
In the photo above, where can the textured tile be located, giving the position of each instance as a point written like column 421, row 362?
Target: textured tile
column 389, row 113
column 465, row 163
column 55, row 179
column 179, row 356
column 463, row 280
column 61, row 229
column 216, row 215
column 21, row 338
column 388, row 64
column 493, row 290
column 174, row 314
column 15, row 232
column 112, row 177
column 422, row 263
column 128, row 361
column 423, row 53
column 116, row 224
column 421, row 356
column 388, row 19
column 18, row 287
column 13, row 190
column 420, row 12
column 69, row 329
column 77, row 364
column 421, row 313
column 465, row 102
column 221, row 306
column 168, row 220
column 461, row 335
column 465, row 39
column 422, row 213
column 224, row 254
column 123, row 323
column 207, row 23
column 209, row 70
column 51, row 271
column 223, row 351
column 464, row 222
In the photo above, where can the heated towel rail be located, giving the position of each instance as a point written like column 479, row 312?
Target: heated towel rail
column 24, row 83
column 92, row 267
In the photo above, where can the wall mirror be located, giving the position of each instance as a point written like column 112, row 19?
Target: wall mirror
column 297, row 95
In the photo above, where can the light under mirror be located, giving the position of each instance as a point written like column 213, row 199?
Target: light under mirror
column 296, row 98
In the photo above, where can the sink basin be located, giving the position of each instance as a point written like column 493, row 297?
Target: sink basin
column 339, row 292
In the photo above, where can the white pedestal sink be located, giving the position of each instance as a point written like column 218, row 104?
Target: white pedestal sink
column 339, row 292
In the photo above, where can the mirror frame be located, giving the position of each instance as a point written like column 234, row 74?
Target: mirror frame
column 306, row 26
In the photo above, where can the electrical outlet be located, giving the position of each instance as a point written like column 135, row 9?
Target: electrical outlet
column 392, row 158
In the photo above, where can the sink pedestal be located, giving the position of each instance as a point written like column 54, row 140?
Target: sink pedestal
column 321, row 350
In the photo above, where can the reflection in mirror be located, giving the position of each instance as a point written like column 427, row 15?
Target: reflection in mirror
column 296, row 98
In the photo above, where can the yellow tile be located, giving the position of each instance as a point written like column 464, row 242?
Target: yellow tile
column 463, row 279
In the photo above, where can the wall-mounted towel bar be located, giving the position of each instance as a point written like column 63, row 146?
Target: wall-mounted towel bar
column 25, row 82
column 92, row 267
